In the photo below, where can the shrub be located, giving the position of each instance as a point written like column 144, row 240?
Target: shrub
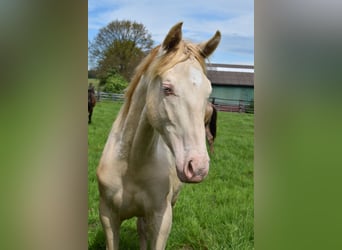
column 115, row 84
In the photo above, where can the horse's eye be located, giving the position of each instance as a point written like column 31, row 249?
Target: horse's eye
column 167, row 90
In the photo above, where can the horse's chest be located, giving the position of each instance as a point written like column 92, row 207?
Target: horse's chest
column 141, row 197
column 133, row 203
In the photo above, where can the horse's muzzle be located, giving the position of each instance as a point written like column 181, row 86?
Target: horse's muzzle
column 195, row 170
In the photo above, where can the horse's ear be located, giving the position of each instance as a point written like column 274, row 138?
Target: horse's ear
column 173, row 37
column 208, row 47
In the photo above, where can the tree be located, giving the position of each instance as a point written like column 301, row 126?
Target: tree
column 91, row 73
column 119, row 47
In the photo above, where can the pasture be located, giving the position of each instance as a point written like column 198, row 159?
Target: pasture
column 215, row 214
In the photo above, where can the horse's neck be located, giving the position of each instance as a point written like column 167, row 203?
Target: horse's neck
column 208, row 114
column 145, row 139
column 137, row 137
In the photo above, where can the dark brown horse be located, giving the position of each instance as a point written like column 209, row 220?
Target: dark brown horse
column 91, row 102
column 210, row 125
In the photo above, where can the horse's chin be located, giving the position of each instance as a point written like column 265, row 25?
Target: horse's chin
column 182, row 177
column 194, row 179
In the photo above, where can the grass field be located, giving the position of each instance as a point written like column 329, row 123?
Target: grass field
column 215, row 214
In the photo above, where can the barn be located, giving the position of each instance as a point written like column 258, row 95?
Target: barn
column 233, row 87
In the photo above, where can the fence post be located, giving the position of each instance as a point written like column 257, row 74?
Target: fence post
column 98, row 94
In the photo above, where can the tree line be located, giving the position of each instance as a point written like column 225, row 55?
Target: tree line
column 116, row 51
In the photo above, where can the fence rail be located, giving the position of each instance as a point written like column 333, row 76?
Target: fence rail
column 221, row 104
column 104, row 96
column 232, row 105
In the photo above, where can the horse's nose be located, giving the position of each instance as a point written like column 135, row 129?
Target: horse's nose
column 196, row 169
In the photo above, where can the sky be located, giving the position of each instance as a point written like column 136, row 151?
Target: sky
column 201, row 18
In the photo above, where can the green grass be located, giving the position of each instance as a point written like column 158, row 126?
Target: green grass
column 215, row 214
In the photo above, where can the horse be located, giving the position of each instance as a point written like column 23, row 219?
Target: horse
column 91, row 102
column 157, row 141
column 210, row 125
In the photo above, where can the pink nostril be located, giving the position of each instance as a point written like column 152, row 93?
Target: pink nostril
column 195, row 170
column 190, row 169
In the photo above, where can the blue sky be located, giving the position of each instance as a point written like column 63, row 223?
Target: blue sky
column 201, row 19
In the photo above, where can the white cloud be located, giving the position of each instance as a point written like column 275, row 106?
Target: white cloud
column 235, row 19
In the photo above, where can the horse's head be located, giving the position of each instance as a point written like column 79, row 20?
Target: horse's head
column 177, row 100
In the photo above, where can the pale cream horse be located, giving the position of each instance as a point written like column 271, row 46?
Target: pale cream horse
column 158, row 135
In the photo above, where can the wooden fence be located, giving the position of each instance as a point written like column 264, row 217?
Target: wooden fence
column 104, row 96
column 221, row 104
column 232, row 105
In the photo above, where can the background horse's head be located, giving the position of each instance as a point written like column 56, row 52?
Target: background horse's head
column 177, row 98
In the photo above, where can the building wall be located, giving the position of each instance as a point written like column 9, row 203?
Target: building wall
column 232, row 93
